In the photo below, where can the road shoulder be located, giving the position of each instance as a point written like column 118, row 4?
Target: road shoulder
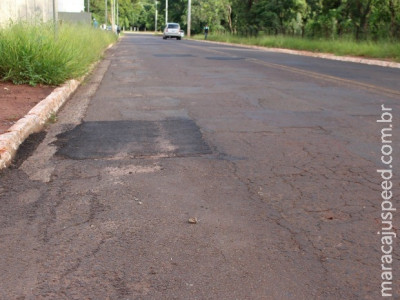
column 353, row 59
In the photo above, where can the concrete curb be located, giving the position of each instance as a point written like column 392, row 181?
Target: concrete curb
column 33, row 121
column 37, row 117
column 353, row 59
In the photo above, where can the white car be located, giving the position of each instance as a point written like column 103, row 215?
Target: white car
column 172, row 30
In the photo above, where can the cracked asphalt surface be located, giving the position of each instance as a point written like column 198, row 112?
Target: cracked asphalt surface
column 277, row 163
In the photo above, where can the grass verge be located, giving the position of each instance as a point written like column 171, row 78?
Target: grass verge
column 368, row 49
column 33, row 54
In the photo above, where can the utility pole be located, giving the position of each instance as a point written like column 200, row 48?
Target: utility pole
column 113, row 15
column 155, row 26
column 166, row 12
column 106, row 14
column 189, row 18
column 55, row 17
column 117, row 13
column 88, row 5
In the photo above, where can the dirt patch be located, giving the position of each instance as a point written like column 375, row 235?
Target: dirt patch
column 17, row 100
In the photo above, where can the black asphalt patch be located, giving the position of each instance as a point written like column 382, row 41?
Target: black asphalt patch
column 173, row 55
column 105, row 139
column 224, row 58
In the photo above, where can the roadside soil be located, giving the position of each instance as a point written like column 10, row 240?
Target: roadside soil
column 17, row 100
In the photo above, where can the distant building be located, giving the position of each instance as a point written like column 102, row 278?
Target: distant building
column 73, row 11
column 42, row 10
column 25, row 10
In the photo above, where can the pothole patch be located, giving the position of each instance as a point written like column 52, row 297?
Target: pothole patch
column 138, row 138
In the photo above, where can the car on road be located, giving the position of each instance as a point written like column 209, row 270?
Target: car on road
column 172, row 30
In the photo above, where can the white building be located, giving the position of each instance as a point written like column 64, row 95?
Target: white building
column 42, row 10
column 26, row 10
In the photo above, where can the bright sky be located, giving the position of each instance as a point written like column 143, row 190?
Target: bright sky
column 71, row 5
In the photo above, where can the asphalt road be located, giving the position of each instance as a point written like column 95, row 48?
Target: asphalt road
column 275, row 156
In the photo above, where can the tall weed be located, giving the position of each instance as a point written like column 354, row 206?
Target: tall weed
column 33, row 54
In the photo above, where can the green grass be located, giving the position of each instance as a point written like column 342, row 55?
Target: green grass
column 369, row 49
column 33, row 54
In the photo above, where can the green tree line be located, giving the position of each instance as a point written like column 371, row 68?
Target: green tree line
column 361, row 19
column 131, row 13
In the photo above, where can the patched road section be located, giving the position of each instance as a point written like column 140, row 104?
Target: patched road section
column 132, row 139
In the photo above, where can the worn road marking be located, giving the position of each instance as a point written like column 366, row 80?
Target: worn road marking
column 369, row 87
column 316, row 75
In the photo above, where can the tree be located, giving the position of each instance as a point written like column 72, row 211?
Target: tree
column 314, row 18
column 359, row 11
column 215, row 13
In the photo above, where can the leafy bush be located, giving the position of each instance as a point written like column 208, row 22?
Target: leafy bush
column 33, row 54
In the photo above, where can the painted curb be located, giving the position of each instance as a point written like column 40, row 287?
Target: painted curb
column 33, row 121
column 353, row 59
